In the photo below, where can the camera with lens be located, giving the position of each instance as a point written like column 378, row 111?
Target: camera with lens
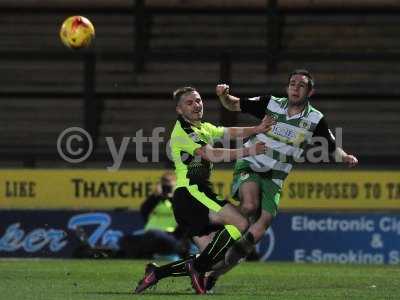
column 166, row 189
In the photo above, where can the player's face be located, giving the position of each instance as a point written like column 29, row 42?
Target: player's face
column 298, row 90
column 191, row 107
column 168, row 180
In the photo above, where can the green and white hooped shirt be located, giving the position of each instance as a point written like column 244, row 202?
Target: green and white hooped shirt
column 287, row 139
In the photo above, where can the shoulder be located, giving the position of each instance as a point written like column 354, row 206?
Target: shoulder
column 314, row 114
column 277, row 105
column 207, row 126
column 177, row 130
column 180, row 134
column 212, row 131
column 314, row 110
column 281, row 101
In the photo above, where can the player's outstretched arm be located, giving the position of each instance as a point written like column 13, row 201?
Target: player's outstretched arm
column 244, row 132
column 230, row 102
column 215, row 155
column 346, row 158
column 322, row 130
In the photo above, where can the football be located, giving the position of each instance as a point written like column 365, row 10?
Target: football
column 77, row 32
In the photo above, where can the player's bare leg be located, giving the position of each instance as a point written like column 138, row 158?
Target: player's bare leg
column 261, row 225
column 249, row 194
column 250, row 206
column 240, row 250
column 235, row 224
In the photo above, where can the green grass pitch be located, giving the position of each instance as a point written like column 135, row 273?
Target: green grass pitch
column 115, row 279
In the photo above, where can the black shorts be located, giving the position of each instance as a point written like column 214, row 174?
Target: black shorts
column 191, row 208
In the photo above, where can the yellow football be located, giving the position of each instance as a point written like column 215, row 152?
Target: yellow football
column 77, row 32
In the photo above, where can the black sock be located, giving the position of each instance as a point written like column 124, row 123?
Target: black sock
column 214, row 252
column 242, row 248
column 174, row 269
column 247, row 241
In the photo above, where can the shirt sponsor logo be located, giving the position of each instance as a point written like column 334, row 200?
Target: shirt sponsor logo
column 284, row 132
column 244, row 176
column 305, row 124
column 274, row 116
column 194, row 137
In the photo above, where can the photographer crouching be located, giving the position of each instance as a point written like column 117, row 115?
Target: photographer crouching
column 161, row 235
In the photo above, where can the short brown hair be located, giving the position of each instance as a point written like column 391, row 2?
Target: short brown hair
column 168, row 174
column 305, row 73
column 178, row 93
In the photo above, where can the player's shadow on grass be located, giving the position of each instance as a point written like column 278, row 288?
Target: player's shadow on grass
column 105, row 293
column 150, row 293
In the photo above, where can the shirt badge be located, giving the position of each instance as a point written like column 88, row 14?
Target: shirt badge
column 305, row 124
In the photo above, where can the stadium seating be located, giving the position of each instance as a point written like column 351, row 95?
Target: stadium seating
column 310, row 40
column 34, row 123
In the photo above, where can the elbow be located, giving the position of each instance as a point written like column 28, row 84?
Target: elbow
column 234, row 107
column 205, row 153
column 230, row 106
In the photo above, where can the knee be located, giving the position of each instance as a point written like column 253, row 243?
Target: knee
column 249, row 206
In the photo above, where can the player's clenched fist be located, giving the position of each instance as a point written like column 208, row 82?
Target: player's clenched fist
column 350, row 160
column 265, row 124
column 222, row 90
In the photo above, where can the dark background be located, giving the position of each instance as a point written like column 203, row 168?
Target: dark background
column 145, row 49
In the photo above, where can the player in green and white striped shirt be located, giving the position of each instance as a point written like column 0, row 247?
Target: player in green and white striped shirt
column 258, row 179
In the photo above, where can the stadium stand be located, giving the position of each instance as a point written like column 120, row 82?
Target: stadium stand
column 36, row 123
column 351, row 54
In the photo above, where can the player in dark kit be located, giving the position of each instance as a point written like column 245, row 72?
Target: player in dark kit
column 198, row 210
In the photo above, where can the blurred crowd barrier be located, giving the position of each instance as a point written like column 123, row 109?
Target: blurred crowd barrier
column 305, row 190
column 326, row 217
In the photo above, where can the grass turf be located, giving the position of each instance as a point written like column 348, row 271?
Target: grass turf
column 115, row 279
